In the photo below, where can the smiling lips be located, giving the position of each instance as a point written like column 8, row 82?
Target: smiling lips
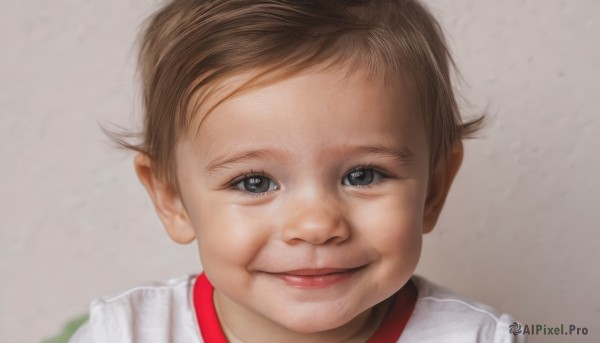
column 316, row 278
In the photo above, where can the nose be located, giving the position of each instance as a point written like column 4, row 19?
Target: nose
column 316, row 218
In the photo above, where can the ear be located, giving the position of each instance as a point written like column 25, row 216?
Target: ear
column 439, row 186
column 167, row 202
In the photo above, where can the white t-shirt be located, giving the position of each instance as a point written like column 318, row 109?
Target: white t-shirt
column 164, row 312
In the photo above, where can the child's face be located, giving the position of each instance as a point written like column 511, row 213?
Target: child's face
column 317, row 174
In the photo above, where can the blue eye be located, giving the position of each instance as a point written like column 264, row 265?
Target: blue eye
column 362, row 177
column 256, row 184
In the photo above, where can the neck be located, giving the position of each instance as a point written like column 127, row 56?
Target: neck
column 243, row 326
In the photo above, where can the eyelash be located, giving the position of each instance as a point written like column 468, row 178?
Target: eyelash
column 384, row 175
column 248, row 174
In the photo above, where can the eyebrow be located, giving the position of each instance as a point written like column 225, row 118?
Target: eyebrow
column 399, row 152
column 224, row 161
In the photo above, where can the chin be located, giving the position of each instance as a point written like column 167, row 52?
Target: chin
column 315, row 322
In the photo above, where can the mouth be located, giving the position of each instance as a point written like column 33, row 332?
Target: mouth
column 317, row 278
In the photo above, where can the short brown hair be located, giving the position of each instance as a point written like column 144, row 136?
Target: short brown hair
column 190, row 47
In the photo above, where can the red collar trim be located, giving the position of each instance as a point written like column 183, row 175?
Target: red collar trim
column 205, row 311
column 392, row 326
column 389, row 331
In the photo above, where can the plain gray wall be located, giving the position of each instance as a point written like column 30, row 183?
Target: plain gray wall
column 518, row 232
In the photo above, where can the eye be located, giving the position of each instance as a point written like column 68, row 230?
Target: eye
column 256, row 184
column 362, row 176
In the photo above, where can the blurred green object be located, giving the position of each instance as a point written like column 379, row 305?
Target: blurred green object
column 68, row 330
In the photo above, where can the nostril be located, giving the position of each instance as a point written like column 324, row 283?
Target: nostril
column 316, row 232
column 334, row 240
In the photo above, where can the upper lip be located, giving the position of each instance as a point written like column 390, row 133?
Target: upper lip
column 316, row 271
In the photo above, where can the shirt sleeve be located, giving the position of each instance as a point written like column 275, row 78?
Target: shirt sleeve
column 504, row 332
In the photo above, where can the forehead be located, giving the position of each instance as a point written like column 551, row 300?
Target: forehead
column 234, row 89
column 315, row 105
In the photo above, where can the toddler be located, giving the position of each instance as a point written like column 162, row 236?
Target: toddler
column 306, row 147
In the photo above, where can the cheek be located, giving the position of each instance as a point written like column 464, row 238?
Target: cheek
column 392, row 225
column 228, row 235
